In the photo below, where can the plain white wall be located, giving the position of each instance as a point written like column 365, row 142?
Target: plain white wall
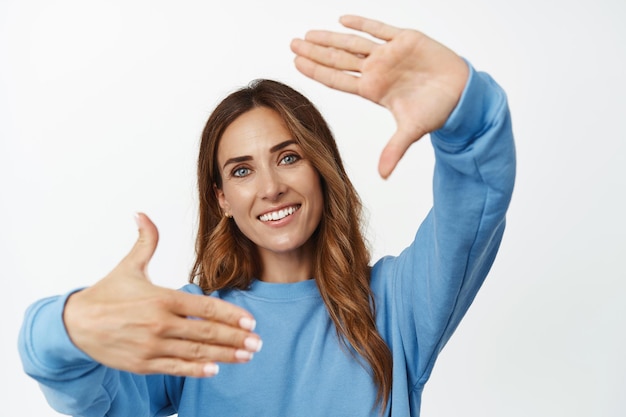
column 101, row 108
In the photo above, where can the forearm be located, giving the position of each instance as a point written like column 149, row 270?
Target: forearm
column 456, row 244
column 72, row 382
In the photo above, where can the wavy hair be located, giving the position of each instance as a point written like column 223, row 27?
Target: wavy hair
column 226, row 258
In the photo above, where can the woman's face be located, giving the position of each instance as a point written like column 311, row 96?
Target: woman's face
column 272, row 192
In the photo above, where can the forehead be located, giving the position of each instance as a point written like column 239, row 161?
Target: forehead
column 257, row 128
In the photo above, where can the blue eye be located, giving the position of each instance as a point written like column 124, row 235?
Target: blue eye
column 240, row 172
column 289, row 159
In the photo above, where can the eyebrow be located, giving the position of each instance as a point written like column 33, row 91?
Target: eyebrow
column 273, row 149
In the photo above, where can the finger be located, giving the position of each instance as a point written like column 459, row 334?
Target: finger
column 333, row 78
column 394, row 151
column 179, row 367
column 328, row 56
column 389, row 158
column 354, row 44
column 375, row 28
column 214, row 333
column 203, row 353
column 141, row 253
column 209, row 308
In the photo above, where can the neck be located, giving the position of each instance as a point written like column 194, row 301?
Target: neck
column 294, row 266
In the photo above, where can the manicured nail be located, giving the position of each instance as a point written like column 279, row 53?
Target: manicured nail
column 136, row 217
column 247, row 323
column 211, row 369
column 243, row 355
column 253, row 344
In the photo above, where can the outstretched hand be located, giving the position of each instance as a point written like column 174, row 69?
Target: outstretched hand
column 126, row 322
column 418, row 79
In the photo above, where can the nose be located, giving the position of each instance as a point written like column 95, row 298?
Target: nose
column 271, row 186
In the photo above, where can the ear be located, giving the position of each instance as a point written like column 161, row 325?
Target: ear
column 219, row 193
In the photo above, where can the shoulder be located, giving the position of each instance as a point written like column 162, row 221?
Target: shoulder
column 382, row 279
column 197, row 290
column 192, row 289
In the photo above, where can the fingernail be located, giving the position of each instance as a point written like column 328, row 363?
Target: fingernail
column 211, row 369
column 243, row 355
column 253, row 344
column 247, row 323
column 136, row 217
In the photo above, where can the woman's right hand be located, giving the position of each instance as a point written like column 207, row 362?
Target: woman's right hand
column 126, row 322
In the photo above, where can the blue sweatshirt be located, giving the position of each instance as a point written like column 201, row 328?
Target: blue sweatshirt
column 421, row 296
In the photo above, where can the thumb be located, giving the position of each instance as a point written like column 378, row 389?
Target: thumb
column 141, row 253
column 389, row 157
column 394, row 151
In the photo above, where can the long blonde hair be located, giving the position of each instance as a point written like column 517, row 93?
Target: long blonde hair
column 226, row 258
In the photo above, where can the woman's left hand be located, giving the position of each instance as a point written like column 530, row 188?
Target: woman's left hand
column 418, row 79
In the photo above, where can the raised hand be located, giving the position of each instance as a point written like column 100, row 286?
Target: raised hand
column 126, row 322
column 418, row 79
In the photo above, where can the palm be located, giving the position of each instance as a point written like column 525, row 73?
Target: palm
column 416, row 78
column 126, row 322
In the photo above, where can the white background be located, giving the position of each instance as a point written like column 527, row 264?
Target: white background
column 102, row 105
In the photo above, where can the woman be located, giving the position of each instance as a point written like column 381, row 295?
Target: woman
column 299, row 321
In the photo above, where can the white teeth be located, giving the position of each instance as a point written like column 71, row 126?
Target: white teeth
column 280, row 214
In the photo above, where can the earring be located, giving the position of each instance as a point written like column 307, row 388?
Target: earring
column 228, row 216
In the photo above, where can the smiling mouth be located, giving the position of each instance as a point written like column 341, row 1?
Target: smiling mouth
column 279, row 214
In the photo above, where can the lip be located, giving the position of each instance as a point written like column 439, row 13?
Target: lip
column 297, row 207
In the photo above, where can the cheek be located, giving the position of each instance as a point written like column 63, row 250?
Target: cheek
column 237, row 197
column 317, row 194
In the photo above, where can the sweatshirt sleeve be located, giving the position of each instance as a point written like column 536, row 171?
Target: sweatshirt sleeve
column 437, row 277
column 75, row 384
